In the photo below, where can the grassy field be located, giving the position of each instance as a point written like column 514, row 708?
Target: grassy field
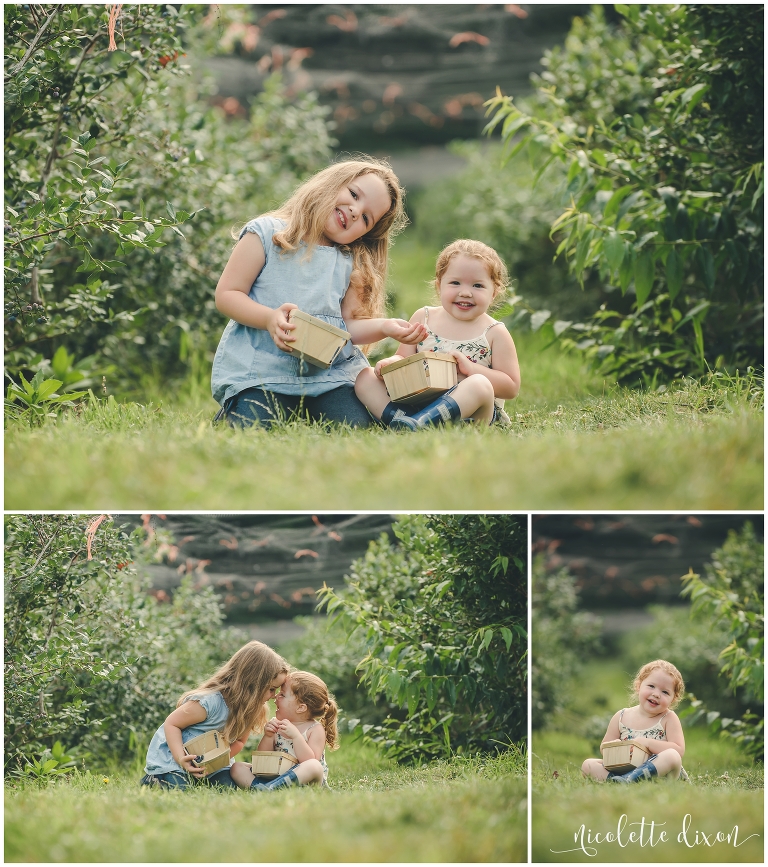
column 467, row 810
column 726, row 790
column 576, row 442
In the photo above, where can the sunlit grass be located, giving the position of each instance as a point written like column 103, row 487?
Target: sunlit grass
column 376, row 811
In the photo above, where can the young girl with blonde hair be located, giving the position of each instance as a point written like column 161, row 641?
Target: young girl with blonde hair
column 469, row 278
column 324, row 251
column 652, row 724
column 305, row 723
column 231, row 701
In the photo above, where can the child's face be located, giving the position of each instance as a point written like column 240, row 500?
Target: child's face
column 656, row 692
column 466, row 288
column 287, row 703
column 359, row 206
column 275, row 685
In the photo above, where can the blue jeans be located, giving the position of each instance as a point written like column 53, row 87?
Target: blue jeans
column 177, row 780
column 257, row 406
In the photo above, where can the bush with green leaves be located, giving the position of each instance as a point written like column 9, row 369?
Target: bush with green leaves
column 442, row 614
column 561, row 637
column 107, row 153
column 659, row 122
column 731, row 596
column 92, row 660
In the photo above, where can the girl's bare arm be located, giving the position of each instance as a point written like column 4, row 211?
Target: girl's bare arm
column 364, row 331
column 232, row 298
column 190, row 713
column 612, row 732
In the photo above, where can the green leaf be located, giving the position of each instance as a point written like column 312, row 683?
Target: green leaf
column 413, row 697
column 506, row 634
column 644, row 270
column 674, row 273
column 707, row 266
column 487, row 638
column 170, row 210
column 613, row 247
column 616, row 199
column 539, row 318
column 693, row 95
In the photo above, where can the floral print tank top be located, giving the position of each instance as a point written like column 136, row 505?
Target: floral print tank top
column 477, row 349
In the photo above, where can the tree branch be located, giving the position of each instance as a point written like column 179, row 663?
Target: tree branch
column 20, row 65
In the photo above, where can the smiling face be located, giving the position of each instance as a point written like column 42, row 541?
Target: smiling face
column 466, row 288
column 656, row 692
column 360, row 204
column 288, row 705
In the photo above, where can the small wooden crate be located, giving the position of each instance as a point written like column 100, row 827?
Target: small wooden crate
column 265, row 763
column 623, row 756
column 420, row 377
column 213, row 747
column 316, row 342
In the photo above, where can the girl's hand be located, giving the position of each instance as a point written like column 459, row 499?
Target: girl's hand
column 464, row 365
column 409, row 333
column 271, row 727
column 279, row 327
column 384, row 362
column 289, row 730
column 188, row 764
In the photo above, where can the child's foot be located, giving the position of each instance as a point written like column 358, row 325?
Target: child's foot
column 444, row 410
column 646, row 771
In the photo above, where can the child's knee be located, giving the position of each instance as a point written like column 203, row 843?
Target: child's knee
column 482, row 386
column 241, row 774
column 313, row 770
column 364, row 379
column 674, row 759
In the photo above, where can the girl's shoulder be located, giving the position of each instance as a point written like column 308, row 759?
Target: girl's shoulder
column 264, row 226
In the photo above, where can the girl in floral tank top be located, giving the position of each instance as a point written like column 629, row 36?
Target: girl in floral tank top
column 652, row 724
column 469, row 277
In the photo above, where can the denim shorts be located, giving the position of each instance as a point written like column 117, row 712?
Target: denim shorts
column 178, row 780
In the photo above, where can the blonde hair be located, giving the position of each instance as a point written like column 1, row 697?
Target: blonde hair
column 667, row 667
column 306, row 213
column 244, row 683
column 311, row 691
column 497, row 270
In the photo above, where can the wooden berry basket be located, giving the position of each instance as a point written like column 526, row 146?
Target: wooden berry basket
column 266, row 763
column 621, row 757
column 420, row 377
column 213, row 747
column 316, row 342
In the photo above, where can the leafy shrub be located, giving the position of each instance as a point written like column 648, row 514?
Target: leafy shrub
column 442, row 614
column 660, row 125
column 91, row 659
column 731, row 595
column 107, row 153
column 561, row 637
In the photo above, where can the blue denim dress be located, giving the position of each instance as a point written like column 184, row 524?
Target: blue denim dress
column 159, row 758
column 247, row 357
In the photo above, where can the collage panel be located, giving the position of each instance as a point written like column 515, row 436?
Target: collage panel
column 647, row 688
column 361, row 677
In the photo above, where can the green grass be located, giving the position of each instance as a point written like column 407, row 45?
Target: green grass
column 726, row 788
column 576, row 442
column 469, row 810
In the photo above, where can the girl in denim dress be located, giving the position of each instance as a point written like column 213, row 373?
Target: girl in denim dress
column 323, row 252
column 652, row 724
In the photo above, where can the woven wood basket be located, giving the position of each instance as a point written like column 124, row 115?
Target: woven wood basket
column 623, row 756
column 213, row 747
column 420, row 377
column 317, row 342
column 271, row 764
